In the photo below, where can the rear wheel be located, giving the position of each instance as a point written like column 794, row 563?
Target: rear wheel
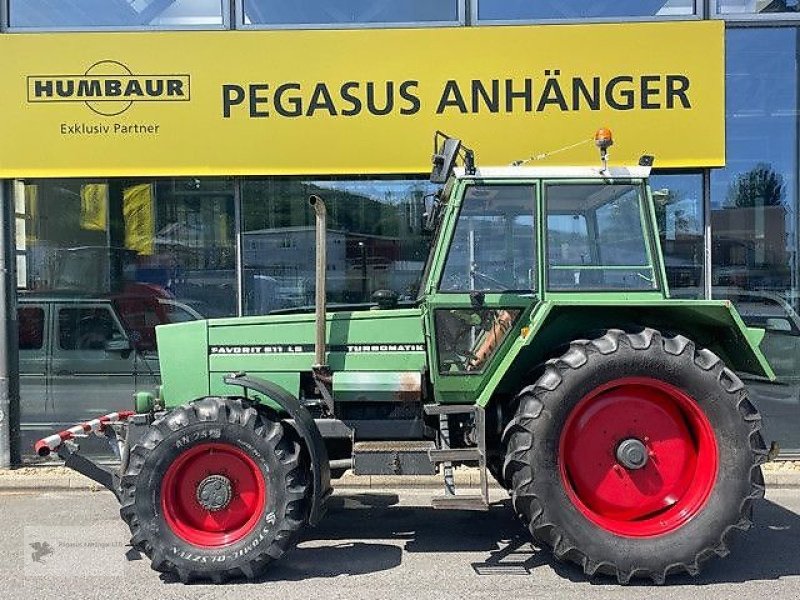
column 635, row 455
column 215, row 489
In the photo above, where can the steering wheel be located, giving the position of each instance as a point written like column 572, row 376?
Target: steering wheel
column 501, row 285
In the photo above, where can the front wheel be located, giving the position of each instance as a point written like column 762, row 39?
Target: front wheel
column 635, row 455
column 215, row 489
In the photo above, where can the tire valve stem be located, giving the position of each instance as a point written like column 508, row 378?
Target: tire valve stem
column 618, row 469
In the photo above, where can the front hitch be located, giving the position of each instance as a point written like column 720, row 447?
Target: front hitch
column 63, row 443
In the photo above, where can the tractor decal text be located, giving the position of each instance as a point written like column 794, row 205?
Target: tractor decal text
column 384, row 348
column 229, row 350
column 271, row 349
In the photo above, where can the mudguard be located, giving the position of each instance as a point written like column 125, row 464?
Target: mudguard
column 714, row 324
column 308, row 431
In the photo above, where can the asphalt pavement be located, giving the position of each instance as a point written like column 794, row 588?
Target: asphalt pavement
column 372, row 544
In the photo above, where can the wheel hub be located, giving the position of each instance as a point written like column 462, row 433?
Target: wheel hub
column 207, row 509
column 632, row 454
column 214, row 493
column 638, row 457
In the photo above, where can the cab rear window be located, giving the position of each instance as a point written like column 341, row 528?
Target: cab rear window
column 596, row 238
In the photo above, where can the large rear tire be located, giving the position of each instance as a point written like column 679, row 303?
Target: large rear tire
column 215, row 489
column 635, row 455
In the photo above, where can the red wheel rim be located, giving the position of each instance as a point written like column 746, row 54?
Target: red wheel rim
column 681, row 457
column 225, row 525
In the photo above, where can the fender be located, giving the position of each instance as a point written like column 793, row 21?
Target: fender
column 309, row 432
column 714, row 324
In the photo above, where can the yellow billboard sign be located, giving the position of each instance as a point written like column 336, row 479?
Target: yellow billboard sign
column 357, row 101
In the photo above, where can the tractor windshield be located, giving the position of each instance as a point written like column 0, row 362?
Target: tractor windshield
column 597, row 238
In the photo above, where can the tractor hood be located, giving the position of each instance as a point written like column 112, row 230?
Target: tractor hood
column 281, row 347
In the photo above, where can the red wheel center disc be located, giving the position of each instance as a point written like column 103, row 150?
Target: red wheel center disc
column 681, row 468
column 224, row 525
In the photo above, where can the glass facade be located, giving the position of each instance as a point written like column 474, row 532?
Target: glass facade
column 754, row 211
column 678, row 200
column 277, row 13
column 105, row 262
column 515, row 10
column 755, row 7
column 134, row 14
column 102, row 262
column 375, row 240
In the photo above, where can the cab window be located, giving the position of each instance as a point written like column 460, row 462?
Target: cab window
column 493, row 246
column 596, row 238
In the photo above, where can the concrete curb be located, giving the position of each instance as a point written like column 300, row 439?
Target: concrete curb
column 44, row 479
column 782, row 479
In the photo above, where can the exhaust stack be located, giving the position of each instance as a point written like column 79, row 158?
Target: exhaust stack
column 318, row 204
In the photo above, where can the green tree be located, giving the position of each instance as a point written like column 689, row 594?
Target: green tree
column 760, row 186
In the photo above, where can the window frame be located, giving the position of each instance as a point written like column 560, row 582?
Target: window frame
column 698, row 14
column 7, row 27
column 238, row 22
column 649, row 230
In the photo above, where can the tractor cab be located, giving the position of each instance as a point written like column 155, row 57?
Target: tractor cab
column 509, row 238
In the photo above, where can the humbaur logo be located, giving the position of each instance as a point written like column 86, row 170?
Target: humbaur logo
column 109, row 88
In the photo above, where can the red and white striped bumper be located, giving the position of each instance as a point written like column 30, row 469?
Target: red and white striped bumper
column 53, row 442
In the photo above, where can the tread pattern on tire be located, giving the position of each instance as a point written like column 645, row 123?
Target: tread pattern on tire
column 518, row 439
column 226, row 411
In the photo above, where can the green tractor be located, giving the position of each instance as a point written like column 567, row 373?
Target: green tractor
column 543, row 348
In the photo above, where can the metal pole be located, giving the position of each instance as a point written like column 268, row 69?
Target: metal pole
column 708, row 241
column 238, row 225
column 9, row 356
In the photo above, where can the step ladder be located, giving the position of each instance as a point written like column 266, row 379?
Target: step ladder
column 446, row 456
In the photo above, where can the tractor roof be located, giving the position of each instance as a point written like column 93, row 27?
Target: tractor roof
column 511, row 172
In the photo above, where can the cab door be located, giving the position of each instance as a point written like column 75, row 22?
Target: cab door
column 483, row 285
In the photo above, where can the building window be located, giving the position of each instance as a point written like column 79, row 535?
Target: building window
column 136, row 242
column 348, row 13
column 119, row 14
column 375, row 240
column 754, row 216
column 750, row 8
column 561, row 10
column 110, row 260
